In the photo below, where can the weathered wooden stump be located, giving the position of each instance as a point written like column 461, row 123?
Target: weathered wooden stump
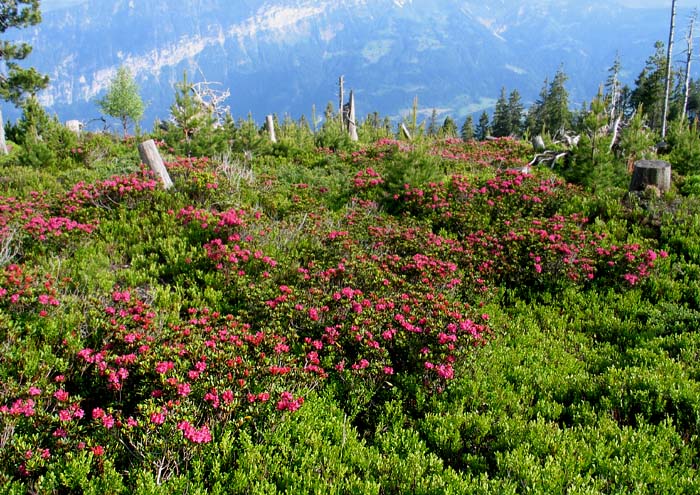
column 150, row 156
column 352, row 125
column 538, row 144
column 270, row 123
column 655, row 173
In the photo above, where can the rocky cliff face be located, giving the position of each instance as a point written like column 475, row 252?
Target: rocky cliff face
column 286, row 55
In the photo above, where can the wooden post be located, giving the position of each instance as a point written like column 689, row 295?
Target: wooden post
column 655, row 173
column 3, row 143
column 150, row 156
column 74, row 126
column 405, row 131
column 271, row 128
column 352, row 125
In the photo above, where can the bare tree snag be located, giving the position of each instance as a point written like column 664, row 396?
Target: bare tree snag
column 669, row 54
column 3, row 143
column 656, row 173
column 150, row 156
column 538, row 143
column 271, row 128
column 689, row 58
column 341, row 99
column 405, row 131
column 352, row 124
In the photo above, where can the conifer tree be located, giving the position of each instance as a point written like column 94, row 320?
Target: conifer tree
column 650, row 86
column 432, row 124
column 187, row 112
column 482, row 128
column 557, row 116
column 614, row 91
column 15, row 82
column 467, row 131
column 515, row 113
column 449, row 128
column 536, row 113
column 501, row 119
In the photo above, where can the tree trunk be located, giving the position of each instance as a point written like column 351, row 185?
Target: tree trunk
column 271, row 128
column 352, row 125
column 689, row 59
column 647, row 173
column 669, row 54
column 150, row 156
column 341, row 98
column 3, row 144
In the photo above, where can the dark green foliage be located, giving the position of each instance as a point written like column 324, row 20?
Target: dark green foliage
column 482, row 128
column 268, row 261
column 467, row 131
column 16, row 82
column 684, row 141
column 551, row 112
column 650, row 86
column 501, row 123
column 449, row 128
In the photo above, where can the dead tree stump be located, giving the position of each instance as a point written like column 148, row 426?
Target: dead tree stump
column 270, row 124
column 647, row 173
column 74, row 126
column 352, row 125
column 150, row 156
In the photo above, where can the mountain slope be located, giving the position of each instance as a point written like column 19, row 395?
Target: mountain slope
column 286, row 55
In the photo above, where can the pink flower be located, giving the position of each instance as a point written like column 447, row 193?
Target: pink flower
column 61, row 395
column 313, row 314
column 108, row 421
column 34, row 391
column 164, row 366
column 288, row 403
column 158, row 418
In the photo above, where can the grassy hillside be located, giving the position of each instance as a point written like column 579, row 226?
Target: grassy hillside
column 392, row 318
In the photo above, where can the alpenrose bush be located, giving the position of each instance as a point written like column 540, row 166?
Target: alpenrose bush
column 360, row 301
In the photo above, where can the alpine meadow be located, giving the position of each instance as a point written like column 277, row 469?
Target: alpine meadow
column 500, row 301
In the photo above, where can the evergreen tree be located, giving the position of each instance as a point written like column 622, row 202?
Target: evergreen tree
column 122, row 100
column 650, row 87
column 557, row 116
column 16, row 82
column 467, row 131
column 515, row 113
column 189, row 115
column 501, row 118
column 482, row 128
column 433, row 125
column 536, row 113
column 613, row 91
column 449, row 128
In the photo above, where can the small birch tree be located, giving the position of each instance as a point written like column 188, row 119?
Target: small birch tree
column 122, row 100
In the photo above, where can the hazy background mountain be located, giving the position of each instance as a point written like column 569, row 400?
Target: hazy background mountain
column 284, row 56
